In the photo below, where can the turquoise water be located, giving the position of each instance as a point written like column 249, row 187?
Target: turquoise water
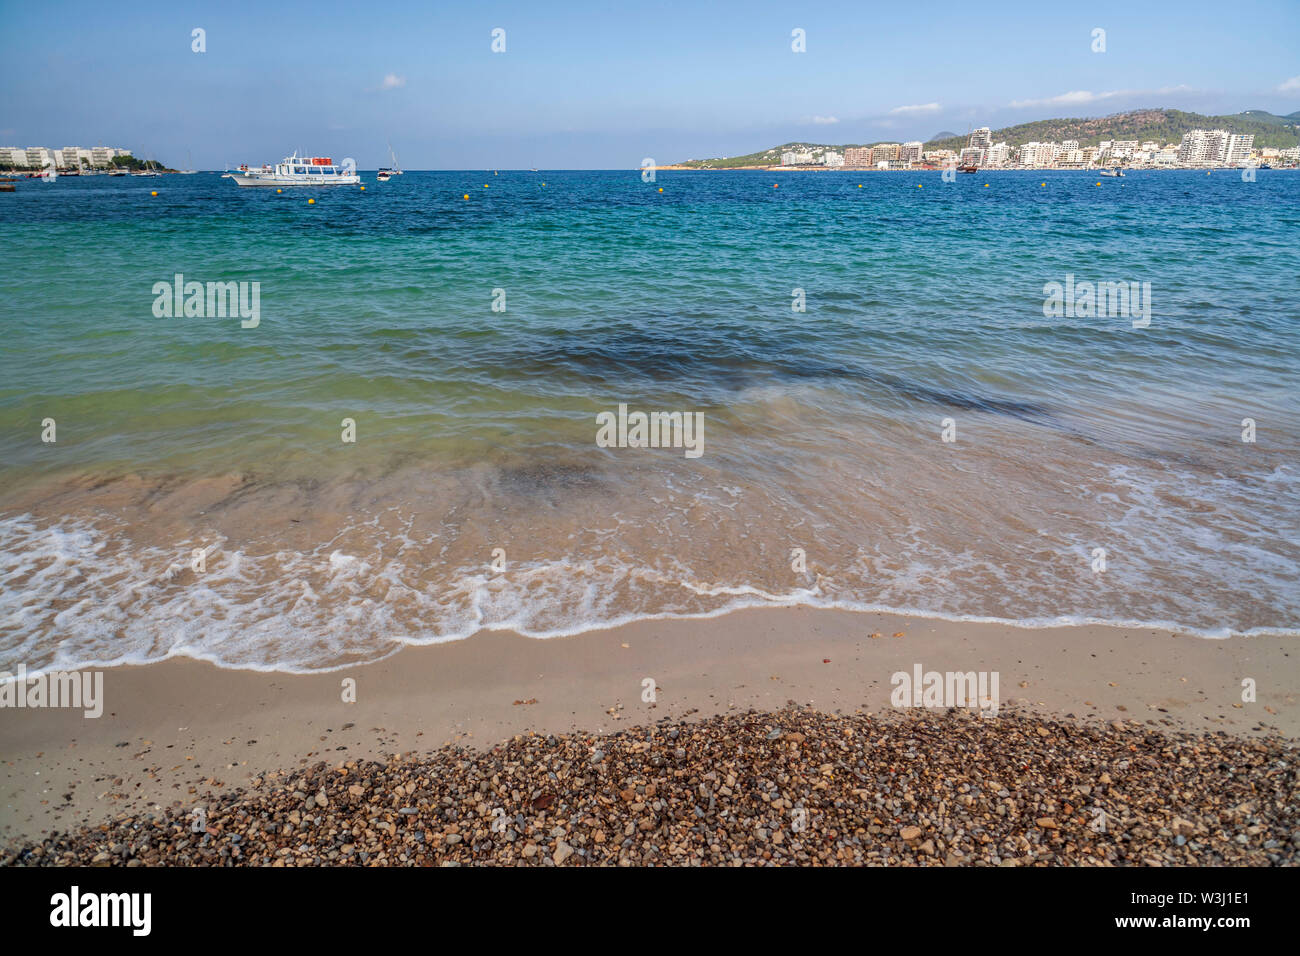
column 476, row 428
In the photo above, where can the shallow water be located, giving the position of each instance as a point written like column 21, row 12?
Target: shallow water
column 476, row 429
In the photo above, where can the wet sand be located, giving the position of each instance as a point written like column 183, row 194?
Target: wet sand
column 176, row 731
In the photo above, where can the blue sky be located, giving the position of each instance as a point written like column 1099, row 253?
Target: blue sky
column 605, row 84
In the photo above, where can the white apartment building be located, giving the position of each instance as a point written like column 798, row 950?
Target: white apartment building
column 13, row 156
column 981, row 138
column 1070, row 158
column 1239, row 146
column 832, row 158
column 911, row 152
column 997, row 155
column 972, row 156
column 792, row 158
column 1116, row 149
column 39, row 156
column 1037, row 154
column 1204, row 147
column 73, row 156
column 104, row 155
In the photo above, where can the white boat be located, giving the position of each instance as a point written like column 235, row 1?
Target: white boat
column 394, row 170
column 384, row 175
column 298, row 170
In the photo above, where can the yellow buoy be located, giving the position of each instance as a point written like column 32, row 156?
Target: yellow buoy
column 661, row 189
column 467, row 195
column 1042, row 184
column 311, row 202
column 859, row 185
column 918, row 185
column 986, row 185
column 1099, row 184
column 363, row 188
column 485, row 185
column 154, row 193
column 279, row 190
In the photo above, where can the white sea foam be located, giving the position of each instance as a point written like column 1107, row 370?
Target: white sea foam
column 78, row 595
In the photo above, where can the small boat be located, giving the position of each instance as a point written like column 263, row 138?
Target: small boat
column 298, row 170
column 384, row 175
column 969, row 168
column 118, row 172
column 393, row 170
column 1115, row 173
column 1266, row 166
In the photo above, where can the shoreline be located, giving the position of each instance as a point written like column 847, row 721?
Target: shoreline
column 181, row 731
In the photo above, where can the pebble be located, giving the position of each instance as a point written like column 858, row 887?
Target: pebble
column 928, row 788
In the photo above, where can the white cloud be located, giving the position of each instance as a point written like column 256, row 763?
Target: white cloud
column 392, row 81
column 1083, row 97
column 824, row 120
column 920, row 108
column 1290, row 86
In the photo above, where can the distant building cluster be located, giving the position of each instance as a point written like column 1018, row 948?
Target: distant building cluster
column 1199, row 148
column 69, row 157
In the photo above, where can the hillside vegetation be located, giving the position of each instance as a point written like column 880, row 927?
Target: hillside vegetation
column 1163, row 126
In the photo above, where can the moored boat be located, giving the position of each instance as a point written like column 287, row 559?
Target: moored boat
column 298, row 170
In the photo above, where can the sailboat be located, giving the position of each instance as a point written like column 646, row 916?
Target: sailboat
column 189, row 161
column 393, row 170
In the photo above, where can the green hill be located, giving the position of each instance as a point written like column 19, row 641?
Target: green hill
column 1163, row 126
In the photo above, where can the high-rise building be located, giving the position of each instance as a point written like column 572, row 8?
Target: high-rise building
column 1037, row 154
column 884, row 153
column 13, row 156
column 1238, row 148
column 832, row 158
column 1204, row 147
column 998, row 154
column 912, row 152
column 859, row 157
column 981, row 138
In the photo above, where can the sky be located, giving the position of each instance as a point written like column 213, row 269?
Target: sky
column 594, row 85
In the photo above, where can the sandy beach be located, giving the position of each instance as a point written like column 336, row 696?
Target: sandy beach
column 178, row 733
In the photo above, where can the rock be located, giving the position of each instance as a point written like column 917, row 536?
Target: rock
column 562, row 852
column 909, row 834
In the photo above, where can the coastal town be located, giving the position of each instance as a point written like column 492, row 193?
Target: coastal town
column 1198, row 149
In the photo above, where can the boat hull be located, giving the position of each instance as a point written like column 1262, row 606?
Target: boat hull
column 282, row 181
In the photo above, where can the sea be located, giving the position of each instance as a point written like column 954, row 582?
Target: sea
column 1024, row 396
